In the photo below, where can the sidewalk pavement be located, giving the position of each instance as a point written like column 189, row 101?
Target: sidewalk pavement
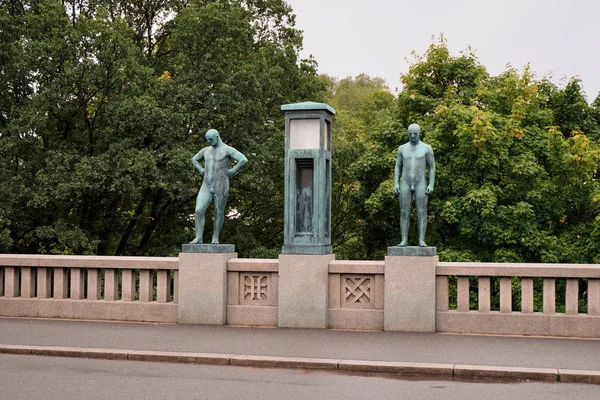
column 436, row 354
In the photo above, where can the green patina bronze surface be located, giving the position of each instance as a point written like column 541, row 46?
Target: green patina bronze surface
column 208, row 248
column 215, row 174
column 411, row 251
column 307, row 105
column 412, row 160
column 307, row 211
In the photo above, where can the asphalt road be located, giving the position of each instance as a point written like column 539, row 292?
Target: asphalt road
column 380, row 346
column 48, row 378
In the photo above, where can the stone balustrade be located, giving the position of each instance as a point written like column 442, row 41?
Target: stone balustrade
column 543, row 320
column 356, row 293
column 252, row 291
column 477, row 298
column 89, row 287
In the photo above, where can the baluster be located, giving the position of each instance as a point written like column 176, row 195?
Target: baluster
column 572, row 296
column 527, row 295
column 462, row 293
column 442, row 293
column 128, row 287
column 11, row 283
column 111, row 285
column 77, row 282
column 163, row 286
column 176, row 286
column 1, row 281
column 27, row 282
column 594, row 296
column 43, row 283
column 60, row 283
column 146, row 285
column 505, row 294
column 94, row 284
column 549, row 296
column 484, row 294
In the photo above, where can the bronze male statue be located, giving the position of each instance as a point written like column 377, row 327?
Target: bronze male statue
column 412, row 160
column 215, row 184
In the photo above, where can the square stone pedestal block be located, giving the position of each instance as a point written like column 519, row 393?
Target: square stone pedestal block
column 409, row 300
column 303, row 290
column 203, row 288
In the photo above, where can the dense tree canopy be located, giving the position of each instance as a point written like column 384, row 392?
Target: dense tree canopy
column 516, row 160
column 103, row 103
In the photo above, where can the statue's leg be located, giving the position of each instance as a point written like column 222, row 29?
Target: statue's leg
column 220, row 204
column 405, row 206
column 421, row 202
column 202, row 202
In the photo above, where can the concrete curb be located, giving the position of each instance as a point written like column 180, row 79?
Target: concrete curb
column 484, row 371
column 401, row 368
column 284, row 362
column 443, row 371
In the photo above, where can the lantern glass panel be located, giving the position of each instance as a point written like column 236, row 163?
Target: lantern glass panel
column 305, row 133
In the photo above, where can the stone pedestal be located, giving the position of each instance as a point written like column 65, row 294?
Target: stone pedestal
column 309, row 250
column 411, row 251
column 207, row 248
column 203, row 288
column 303, row 290
column 409, row 300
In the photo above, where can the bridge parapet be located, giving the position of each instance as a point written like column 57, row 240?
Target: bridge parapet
column 252, row 291
column 476, row 298
column 89, row 287
column 356, row 294
column 518, row 299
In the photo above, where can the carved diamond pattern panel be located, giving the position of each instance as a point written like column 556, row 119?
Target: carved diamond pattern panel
column 358, row 291
column 254, row 289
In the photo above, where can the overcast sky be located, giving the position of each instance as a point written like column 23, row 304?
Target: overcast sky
column 558, row 37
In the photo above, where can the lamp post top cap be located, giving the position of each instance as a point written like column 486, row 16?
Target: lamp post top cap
column 307, row 106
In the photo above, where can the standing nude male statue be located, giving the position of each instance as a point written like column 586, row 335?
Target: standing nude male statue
column 215, row 184
column 412, row 159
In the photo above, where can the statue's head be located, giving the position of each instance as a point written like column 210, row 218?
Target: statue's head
column 414, row 133
column 212, row 137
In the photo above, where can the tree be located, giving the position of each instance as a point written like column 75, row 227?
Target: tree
column 512, row 185
column 105, row 102
column 572, row 113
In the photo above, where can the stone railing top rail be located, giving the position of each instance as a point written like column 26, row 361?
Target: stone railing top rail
column 253, row 265
column 356, row 267
column 335, row 266
column 37, row 260
column 530, row 270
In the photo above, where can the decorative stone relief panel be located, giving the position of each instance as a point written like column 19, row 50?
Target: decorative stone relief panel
column 358, row 291
column 255, row 289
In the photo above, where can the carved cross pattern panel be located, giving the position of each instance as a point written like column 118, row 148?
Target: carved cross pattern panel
column 358, row 291
column 255, row 289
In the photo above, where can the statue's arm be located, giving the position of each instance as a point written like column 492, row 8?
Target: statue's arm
column 240, row 161
column 431, row 165
column 397, row 170
column 197, row 159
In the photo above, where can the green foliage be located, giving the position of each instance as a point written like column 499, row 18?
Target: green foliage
column 516, row 173
column 103, row 104
column 363, row 104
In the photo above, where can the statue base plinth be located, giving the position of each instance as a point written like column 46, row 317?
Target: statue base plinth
column 306, row 249
column 208, row 248
column 427, row 251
